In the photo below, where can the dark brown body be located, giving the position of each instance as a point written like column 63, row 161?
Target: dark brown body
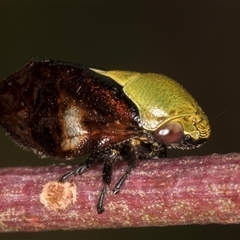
column 65, row 110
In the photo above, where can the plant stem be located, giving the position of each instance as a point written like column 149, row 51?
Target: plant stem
column 159, row 192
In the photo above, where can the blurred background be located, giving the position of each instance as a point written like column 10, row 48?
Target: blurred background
column 195, row 43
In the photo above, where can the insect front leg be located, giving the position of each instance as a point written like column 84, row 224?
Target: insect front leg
column 132, row 151
column 130, row 155
column 162, row 153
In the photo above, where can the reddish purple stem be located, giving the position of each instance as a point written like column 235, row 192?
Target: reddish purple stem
column 188, row 190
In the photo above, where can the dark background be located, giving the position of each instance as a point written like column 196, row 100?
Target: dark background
column 195, row 43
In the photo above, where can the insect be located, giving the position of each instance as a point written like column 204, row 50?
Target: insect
column 65, row 110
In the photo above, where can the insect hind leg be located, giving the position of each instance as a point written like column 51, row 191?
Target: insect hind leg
column 92, row 159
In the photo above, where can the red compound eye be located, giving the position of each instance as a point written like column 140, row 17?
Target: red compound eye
column 171, row 132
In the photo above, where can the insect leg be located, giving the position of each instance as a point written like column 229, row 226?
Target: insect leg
column 162, row 152
column 131, row 157
column 100, row 207
column 92, row 159
column 122, row 180
column 106, row 177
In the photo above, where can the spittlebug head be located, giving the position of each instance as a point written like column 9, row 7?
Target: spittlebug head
column 184, row 133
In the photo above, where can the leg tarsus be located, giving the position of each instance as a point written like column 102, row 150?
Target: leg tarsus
column 106, row 178
column 100, row 207
column 121, row 180
column 78, row 170
column 92, row 159
column 129, row 153
column 67, row 175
